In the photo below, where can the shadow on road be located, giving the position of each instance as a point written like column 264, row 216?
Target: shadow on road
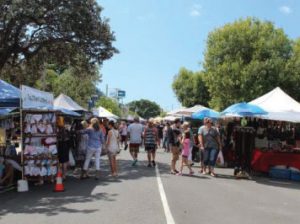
column 277, row 183
column 42, row 200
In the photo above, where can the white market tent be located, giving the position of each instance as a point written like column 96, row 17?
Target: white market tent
column 102, row 112
column 187, row 111
column 170, row 118
column 64, row 101
column 279, row 105
column 177, row 111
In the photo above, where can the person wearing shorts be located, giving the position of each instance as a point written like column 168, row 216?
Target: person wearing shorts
column 174, row 135
column 135, row 131
column 151, row 141
column 209, row 140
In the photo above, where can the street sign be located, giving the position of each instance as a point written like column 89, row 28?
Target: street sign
column 121, row 93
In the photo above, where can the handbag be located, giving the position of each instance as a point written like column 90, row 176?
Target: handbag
column 71, row 159
column 220, row 159
column 117, row 137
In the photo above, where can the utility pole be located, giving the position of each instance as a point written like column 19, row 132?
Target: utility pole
column 106, row 92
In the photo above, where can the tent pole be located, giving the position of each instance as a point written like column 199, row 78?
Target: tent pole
column 21, row 130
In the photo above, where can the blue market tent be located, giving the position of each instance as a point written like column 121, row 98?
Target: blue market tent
column 6, row 111
column 10, row 100
column 206, row 113
column 67, row 112
column 9, row 95
column 243, row 109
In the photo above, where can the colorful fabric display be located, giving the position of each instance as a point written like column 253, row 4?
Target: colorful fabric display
column 50, row 140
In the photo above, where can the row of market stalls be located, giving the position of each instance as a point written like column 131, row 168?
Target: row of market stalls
column 30, row 129
column 264, row 133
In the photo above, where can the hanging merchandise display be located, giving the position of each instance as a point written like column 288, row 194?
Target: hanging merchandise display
column 244, row 144
column 40, row 145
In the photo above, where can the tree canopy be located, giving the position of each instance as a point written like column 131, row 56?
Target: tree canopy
column 62, row 32
column 79, row 88
column 145, row 108
column 190, row 88
column 246, row 59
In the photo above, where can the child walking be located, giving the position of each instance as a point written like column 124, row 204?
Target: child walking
column 185, row 152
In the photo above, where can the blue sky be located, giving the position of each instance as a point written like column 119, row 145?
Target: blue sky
column 158, row 37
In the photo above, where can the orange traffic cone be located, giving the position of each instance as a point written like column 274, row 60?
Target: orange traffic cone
column 59, row 186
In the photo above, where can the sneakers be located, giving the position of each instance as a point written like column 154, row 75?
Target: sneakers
column 134, row 162
column 97, row 176
column 149, row 165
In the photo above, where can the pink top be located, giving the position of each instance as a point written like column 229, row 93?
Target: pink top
column 186, row 147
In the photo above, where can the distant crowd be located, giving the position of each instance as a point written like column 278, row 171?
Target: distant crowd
column 98, row 137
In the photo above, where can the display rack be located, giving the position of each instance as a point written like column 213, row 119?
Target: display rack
column 39, row 144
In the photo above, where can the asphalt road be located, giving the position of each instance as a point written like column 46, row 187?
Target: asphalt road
column 134, row 198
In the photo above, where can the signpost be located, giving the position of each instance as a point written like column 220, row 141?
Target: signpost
column 121, row 93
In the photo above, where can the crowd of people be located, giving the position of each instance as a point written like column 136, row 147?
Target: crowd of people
column 97, row 137
column 176, row 138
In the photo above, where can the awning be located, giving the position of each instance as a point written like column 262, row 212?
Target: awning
column 64, row 101
column 9, row 95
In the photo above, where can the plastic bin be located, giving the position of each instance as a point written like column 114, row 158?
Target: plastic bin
column 295, row 175
column 284, row 174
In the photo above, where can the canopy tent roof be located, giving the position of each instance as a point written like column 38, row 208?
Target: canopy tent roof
column 201, row 114
column 244, row 109
column 279, row 105
column 6, row 111
column 66, row 102
column 177, row 111
column 187, row 111
column 9, row 95
column 67, row 112
column 170, row 118
column 102, row 112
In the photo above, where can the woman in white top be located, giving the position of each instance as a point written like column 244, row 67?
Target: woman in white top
column 113, row 147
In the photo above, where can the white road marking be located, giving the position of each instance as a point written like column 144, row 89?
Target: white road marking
column 163, row 197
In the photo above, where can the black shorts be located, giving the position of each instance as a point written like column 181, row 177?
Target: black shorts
column 123, row 138
column 150, row 148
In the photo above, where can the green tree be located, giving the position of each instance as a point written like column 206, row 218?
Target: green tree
column 145, row 108
column 244, row 60
column 293, row 72
column 52, row 31
column 190, row 88
column 110, row 105
column 79, row 88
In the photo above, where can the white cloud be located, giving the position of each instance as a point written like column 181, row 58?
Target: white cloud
column 285, row 9
column 196, row 10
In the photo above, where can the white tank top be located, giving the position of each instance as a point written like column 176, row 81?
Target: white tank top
column 113, row 143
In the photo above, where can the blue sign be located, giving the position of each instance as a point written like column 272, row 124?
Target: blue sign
column 121, row 93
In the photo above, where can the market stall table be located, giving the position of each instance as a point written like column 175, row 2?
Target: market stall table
column 263, row 161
